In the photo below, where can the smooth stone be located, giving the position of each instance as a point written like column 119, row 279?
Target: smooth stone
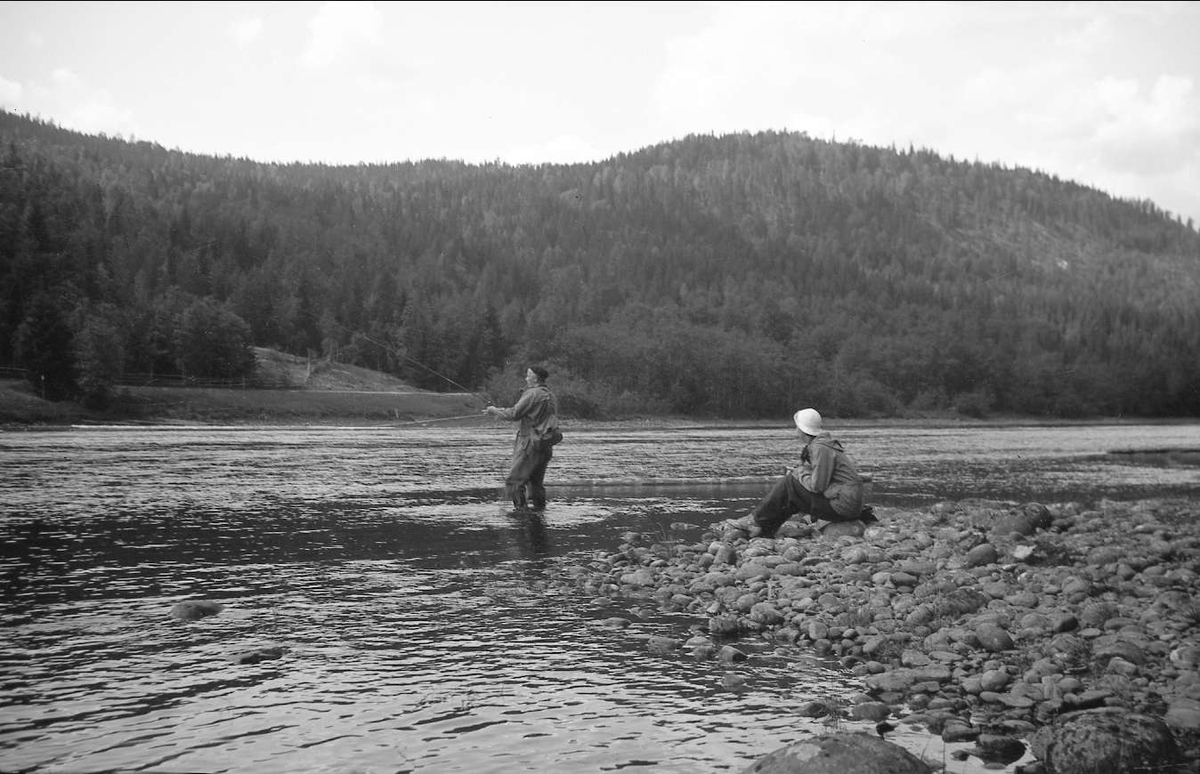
column 195, row 609
column 844, row 753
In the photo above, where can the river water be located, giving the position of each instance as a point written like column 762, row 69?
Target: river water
column 427, row 628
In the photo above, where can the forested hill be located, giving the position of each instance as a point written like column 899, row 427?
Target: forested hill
column 737, row 276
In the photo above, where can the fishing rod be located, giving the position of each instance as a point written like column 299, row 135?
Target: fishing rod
column 395, row 351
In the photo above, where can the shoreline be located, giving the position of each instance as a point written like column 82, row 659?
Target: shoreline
column 387, row 406
column 968, row 619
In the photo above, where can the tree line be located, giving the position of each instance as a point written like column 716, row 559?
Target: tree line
column 738, row 275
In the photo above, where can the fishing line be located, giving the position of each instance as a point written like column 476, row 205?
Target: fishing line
column 407, row 357
column 438, row 419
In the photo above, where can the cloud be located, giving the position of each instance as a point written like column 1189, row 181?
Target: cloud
column 799, row 66
column 65, row 78
column 98, row 115
column 1152, row 133
column 73, row 103
column 247, row 30
column 10, row 92
column 726, row 63
column 340, row 28
column 563, row 149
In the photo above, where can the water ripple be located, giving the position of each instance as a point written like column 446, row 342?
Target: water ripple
column 423, row 627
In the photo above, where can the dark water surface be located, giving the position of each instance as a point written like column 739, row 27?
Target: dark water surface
column 428, row 629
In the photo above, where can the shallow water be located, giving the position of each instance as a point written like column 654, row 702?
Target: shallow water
column 430, row 630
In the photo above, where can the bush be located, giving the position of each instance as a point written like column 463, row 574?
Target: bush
column 212, row 342
column 99, row 353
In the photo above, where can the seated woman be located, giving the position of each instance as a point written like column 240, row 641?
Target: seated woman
column 825, row 485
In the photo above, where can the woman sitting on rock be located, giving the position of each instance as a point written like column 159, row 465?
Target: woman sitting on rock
column 825, row 485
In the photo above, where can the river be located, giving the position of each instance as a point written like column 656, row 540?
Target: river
column 427, row 628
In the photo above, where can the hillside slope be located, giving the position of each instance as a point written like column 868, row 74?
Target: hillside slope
column 713, row 276
column 305, row 373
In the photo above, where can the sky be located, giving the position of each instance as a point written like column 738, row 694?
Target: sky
column 1102, row 93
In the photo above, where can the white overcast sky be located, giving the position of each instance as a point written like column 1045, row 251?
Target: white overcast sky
column 1102, row 93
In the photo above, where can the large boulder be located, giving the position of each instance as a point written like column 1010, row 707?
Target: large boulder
column 846, row 753
column 1109, row 739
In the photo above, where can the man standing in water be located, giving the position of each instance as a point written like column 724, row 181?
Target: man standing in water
column 533, row 448
column 825, row 485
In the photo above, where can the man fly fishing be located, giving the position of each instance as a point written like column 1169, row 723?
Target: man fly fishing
column 533, row 448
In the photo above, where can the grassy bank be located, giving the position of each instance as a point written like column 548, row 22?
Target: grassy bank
column 310, row 392
column 167, row 405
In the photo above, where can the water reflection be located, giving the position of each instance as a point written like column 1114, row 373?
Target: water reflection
column 533, row 540
column 427, row 627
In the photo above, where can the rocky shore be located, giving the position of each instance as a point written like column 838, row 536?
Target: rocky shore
column 1069, row 631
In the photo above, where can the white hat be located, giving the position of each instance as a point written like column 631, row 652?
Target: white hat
column 809, row 421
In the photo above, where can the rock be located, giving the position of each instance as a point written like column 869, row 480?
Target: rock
column 1102, row 555
column 917, row 567
column 843, row 529
column 960, row 602
column 1087, row 700
column 657, row 643
column 266, row 653
column 195, row 609
column 1038, row 515
column 1110, row 739
column 817, row 630
column 853, row 753
column 642, row 577
column 1063, row 622
column 701, row 648
column 1013, row 522
column 984, row 553
column 1183, row 713
column 993, row 637
column 1103, row 651
column 730, row 655
column 870, row 710
column 1187, row 657
column 994, row 748
column 958, row 730
column 921, row 614
column 919, row 610
column 1076, row 590
column 724, row 625
column 765, row 613
column 993, row 680
column 1023, row 552
column 1093, row 615
column 815, row 709
column 899, row 680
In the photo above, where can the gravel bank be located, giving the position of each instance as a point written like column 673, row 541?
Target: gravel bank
column 977, row 620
